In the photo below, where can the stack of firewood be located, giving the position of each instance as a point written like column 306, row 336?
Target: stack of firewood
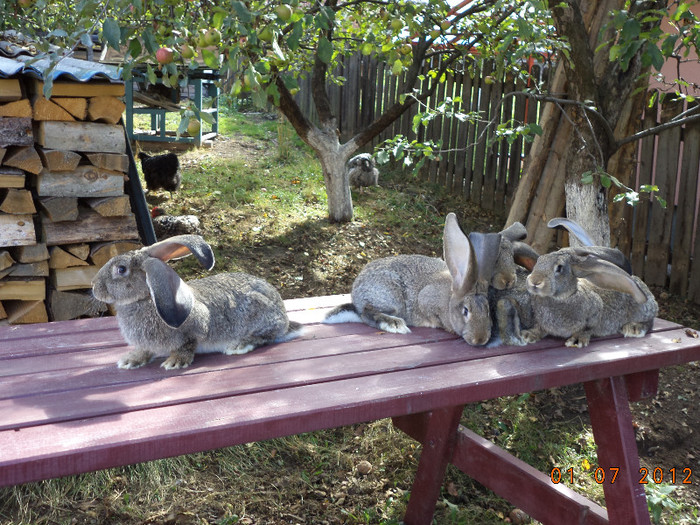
column 63, row 208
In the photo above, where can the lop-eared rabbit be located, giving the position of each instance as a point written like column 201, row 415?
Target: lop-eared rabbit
column 160, row 314
column 579, row 293
column 396, row 292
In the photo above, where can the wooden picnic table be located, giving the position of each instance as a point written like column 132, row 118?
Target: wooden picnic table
column 65, row 407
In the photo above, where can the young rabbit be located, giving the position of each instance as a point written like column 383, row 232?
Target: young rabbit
column 158, row 313
column 394, row 293
column 582, row 295
column 505, row 271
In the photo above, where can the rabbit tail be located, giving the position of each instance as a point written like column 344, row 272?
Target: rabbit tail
column 294, row 330
column 345, row 313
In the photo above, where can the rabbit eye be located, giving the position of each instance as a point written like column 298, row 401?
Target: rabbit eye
column 121, row 270
column 559, row 268
column 465, row 311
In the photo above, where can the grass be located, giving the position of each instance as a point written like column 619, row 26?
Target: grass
column 263, row 207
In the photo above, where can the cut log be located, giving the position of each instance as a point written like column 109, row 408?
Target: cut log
column 90, row 225
column 64, row 306
column 84, row 181
column 22, row 289
column 44, row 109
column 11, row 178
column 80, row 89
column 16, row 230
column 30, row 254
column 110, row 161
column 18, row 108
column 103, row 252
column 75, row 278
column 59, row 160
column 15, row 131
column 82, row 136
column 26, row 312
column 105, row 109
column 2, row 153
column 10, row 89
column 36, row 269
column 110, row 206
column 59, row 209
column 6, row 259
column 3, row 313
column 81, row 251
column 60, row 258
column 73, row 105
column 25, row 158
column 17, row 202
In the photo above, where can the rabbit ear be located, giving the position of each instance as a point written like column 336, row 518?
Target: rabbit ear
column 486, row 247
column 574, row 229
column 515, row 232
column 524, row 255
column 171, row 295
column 612, row 255
column 607, row 275
column 182, row 246
column 459, row 256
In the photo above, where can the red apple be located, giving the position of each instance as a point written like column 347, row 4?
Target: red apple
column 164, row 55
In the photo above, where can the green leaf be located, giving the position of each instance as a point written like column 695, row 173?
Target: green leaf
column 218, row 19
column 135, row 48
column 630, row 30
column 151, row 74
column 587, row 177
column 295, row 36
column 382, row 157
column 210, row 58
column 111, row 32
column 605, row 181
column 149, row 40
column 656, row 59
column 325, row 50
column 242, row 12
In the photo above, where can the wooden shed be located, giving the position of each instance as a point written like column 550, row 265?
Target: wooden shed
column 69, row 190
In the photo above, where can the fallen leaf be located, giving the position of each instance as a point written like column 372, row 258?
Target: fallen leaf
column 452, row 490
column 676, row 340
column 691, row 333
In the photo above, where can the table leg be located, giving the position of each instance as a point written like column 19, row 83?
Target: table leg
column 611, row 420
column 438, row 445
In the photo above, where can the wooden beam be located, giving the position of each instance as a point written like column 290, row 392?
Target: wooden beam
column 90, row 225
column 84, row 181
column 82, row 136
column 16, row 230
column 16, row 131
column 10, row 89
column 11, row 177
column 22, row 289
column 80, row 89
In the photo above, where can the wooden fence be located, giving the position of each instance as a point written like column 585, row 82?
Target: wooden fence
column 663, row 244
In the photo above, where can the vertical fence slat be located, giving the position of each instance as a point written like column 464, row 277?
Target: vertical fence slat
column 480, row 149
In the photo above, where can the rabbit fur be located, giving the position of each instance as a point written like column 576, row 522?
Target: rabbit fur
column 159, row 314
column 394, row 293
column 579, row 293
column 505, row 273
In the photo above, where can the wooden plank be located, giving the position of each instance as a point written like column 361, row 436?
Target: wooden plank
column 11, row 178
column 10, row 89
column 685, row 214
column 26, row 312
column 16, row 230
column 82, row 136
column 25, row 158
column 73, row 278
column 45, row 109
column 491, row 164
column 72, row 305
column 30, row 254
column 90, row 225
column 59, row 160
column 59, row 209
column 103, row 252
column 80, row 89
column 84, row 181
column 16, row 201
column 110, row 206
column 471, row 136
column 76, row 106
column 105, row 109
column 16, row 131
column 22, row 289
column 18, row 108
column 3, row 313
column 35, row 269
column 110, row 161
column 480, row 139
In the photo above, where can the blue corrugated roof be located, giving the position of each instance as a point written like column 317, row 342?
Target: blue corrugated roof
column 71, row 68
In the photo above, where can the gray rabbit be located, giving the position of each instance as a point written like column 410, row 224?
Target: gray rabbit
column 579, row 293
column 394, row 293
column 159, row 314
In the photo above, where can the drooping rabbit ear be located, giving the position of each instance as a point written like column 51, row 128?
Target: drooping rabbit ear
column 515, row 232
column 171, row 295
column 182, row 246
column 486, row 247
column 612, row 255
column 524, row 255
column 573, row 228
column 459, row 256
column 607, row 275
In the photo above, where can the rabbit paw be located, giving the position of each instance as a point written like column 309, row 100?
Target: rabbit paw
column 578, row 341
column 178, row 360
column 634, row 330
column 240, row 349
column 530, row 336
column 135, row 359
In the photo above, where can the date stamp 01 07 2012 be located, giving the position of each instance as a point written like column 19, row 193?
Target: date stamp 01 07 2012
column 658, row 475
